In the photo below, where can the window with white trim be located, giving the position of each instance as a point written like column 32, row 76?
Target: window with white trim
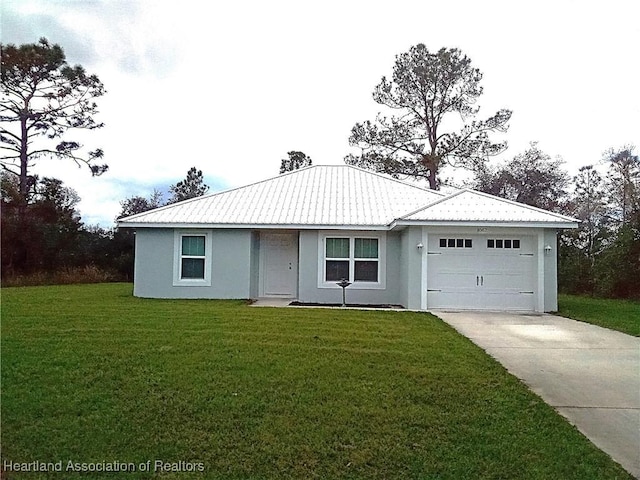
column 357, row 258
column 192, row 259
column 365, row 263
column 337, row 259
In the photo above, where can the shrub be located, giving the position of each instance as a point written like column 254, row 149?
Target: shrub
column 65, row 276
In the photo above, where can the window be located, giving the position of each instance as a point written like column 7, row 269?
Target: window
column 337, row 259
column 503, row 243
column 456, row 243
column 359, row 259
column 365, row 260
column 192, row 259
column 340, row 263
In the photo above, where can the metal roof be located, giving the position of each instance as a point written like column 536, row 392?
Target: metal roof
column 478, row 207
column 328, row 196
column 342, row 196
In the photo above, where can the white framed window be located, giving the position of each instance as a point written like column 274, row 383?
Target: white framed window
column 192, row 258
column 358, row 257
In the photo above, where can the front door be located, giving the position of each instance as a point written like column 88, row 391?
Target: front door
column 280, row 264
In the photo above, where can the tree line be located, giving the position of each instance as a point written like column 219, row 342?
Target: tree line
column 430, row 124
column 44, row 238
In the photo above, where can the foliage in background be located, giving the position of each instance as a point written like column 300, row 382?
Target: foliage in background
column 532, row 177
column 137, row 204
column 50, row 244
column 191, row 187
column 295, row 161
column 45, row 241
column 433, row 99
column 602, row 257
column 43, row 98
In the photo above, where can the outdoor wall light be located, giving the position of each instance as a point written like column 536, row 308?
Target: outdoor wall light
column 547, row 249
column 419, row 246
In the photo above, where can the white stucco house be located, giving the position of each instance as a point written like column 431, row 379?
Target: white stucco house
column 296, row 235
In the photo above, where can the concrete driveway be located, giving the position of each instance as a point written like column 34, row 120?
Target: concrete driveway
column 591, row 375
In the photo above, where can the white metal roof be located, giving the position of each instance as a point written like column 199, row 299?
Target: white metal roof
column 329, row 196
column 477, row 207
column 342, row 196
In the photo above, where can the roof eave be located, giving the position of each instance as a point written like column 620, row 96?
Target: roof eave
column 393, row 225
column 251, row 226
column 482, row 223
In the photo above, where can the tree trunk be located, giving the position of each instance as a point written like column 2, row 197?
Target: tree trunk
column 24, row 161
column 431, row 164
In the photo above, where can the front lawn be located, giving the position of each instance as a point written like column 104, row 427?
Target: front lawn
column 92, row 375
column 621, row 315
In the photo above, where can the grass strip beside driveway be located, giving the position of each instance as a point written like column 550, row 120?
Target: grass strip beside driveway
column 90, row 373
column 620, row 315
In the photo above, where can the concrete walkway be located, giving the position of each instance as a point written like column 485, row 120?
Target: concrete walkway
column 591, row 375
column 272, row 302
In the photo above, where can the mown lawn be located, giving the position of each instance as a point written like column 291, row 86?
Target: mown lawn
column 621, row 315
column 91, row 374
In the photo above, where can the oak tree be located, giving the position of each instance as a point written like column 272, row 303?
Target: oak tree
column 137, row 204
column 531, row 177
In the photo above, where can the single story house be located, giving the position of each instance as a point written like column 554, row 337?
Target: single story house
column 298, row 234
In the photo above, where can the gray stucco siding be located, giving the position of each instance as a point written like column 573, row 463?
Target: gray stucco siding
column 411, row 267
column 153, row 265
column 309, row 290
column 254, row 265
column 551, row 271
column 230, row 263
column 234, row 263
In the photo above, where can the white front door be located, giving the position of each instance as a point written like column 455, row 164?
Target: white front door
column 481, row 272
column 279, row 252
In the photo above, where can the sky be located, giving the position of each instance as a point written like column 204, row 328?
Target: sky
column 230, row 87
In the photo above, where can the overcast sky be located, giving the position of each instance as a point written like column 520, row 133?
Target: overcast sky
column 230, row 87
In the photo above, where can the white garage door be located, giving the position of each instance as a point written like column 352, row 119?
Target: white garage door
column 481, row 272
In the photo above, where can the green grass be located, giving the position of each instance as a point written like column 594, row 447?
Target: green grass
column 621, row 315
column 91, row 374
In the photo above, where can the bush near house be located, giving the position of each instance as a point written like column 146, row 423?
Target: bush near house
column 92, row 374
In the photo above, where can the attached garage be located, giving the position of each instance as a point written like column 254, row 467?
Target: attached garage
column 479, row 252
column 484, row 272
